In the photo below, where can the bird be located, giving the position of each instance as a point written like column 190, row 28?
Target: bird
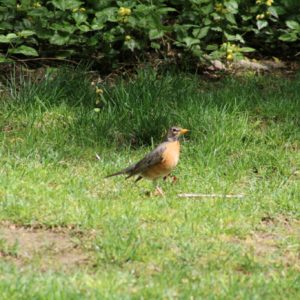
column 159, row 162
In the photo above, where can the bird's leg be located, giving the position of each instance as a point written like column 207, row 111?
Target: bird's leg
column 158, row 190
column 173, row 178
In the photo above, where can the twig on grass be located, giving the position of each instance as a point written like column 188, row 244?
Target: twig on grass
column 193, row 195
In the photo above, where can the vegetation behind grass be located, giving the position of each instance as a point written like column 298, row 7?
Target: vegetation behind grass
column 113, row 32
column 244, row 139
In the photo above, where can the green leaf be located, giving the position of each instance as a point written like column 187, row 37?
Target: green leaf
column 11, row 36
column 196, row 50
column 4, row 59
column 207, row 9
column 40, row 12
column 212, row 47
column 216, row 28
column 293, row 25
column 155, row 34
column 8, row 38
column 79, row 18
column 97, row 26
column 273, row 11
column 247, row 49
column 93, row 41
column 238, row 56
column 189, row 41
column 9, row 3
column 107, row 14
column 66, row 4
column 59, row 39
column 4, row 39
column 25, row 3
column 207, row 21
column 25, row 50
column 216, row 54
column 246, row 18
column 199, row 2
column 261, row 24
column 230, row 18
column 289, row 37
column 200, row 33
column 232, row 6
column 236, row 37
column 64, row 53
column 165, row 10
column 155, row 45
column 132, row 44
column 64, row 27
column 26, row 33
column 6, row 26
column 44, row 33
column 84, row 28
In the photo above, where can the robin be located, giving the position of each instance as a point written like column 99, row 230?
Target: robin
column 159, row 162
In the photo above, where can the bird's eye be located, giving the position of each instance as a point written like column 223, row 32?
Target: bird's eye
column 174, row 129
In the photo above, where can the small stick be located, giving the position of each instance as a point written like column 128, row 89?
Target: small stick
column 192, row 195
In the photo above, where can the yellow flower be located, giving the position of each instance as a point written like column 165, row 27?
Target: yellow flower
column 128, row 11
column 36, row 5
column 96, row 109
column 229, row 56
column 260, row 17
column 218, row 7
column 269, row 2
column 123, row 19
column 75, row 10
column 124, row 11
column 99, row 91
column 127, row 38
column 258, row 1
column 82, row 9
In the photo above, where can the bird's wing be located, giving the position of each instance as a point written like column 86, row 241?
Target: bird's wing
column 151, row 159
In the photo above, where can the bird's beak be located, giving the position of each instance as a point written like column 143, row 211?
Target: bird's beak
column 184, row 131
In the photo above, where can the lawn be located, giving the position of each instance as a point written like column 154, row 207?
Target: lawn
column 68, row 233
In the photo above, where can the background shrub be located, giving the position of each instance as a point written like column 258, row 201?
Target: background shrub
column 110, row 31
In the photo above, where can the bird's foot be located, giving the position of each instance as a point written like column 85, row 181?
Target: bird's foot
column 158, row 192
column 172, row 177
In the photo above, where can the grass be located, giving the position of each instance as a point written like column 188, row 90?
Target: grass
column 245, row 138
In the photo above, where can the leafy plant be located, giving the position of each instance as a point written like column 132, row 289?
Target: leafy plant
column 109, row 31
column 292, row 33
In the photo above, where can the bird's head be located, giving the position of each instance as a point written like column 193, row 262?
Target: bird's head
column 175, row 132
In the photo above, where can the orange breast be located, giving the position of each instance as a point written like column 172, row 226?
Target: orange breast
column 168, row 163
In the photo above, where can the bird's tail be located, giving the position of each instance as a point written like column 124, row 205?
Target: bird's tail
column 128, row 171
column 116, row 174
